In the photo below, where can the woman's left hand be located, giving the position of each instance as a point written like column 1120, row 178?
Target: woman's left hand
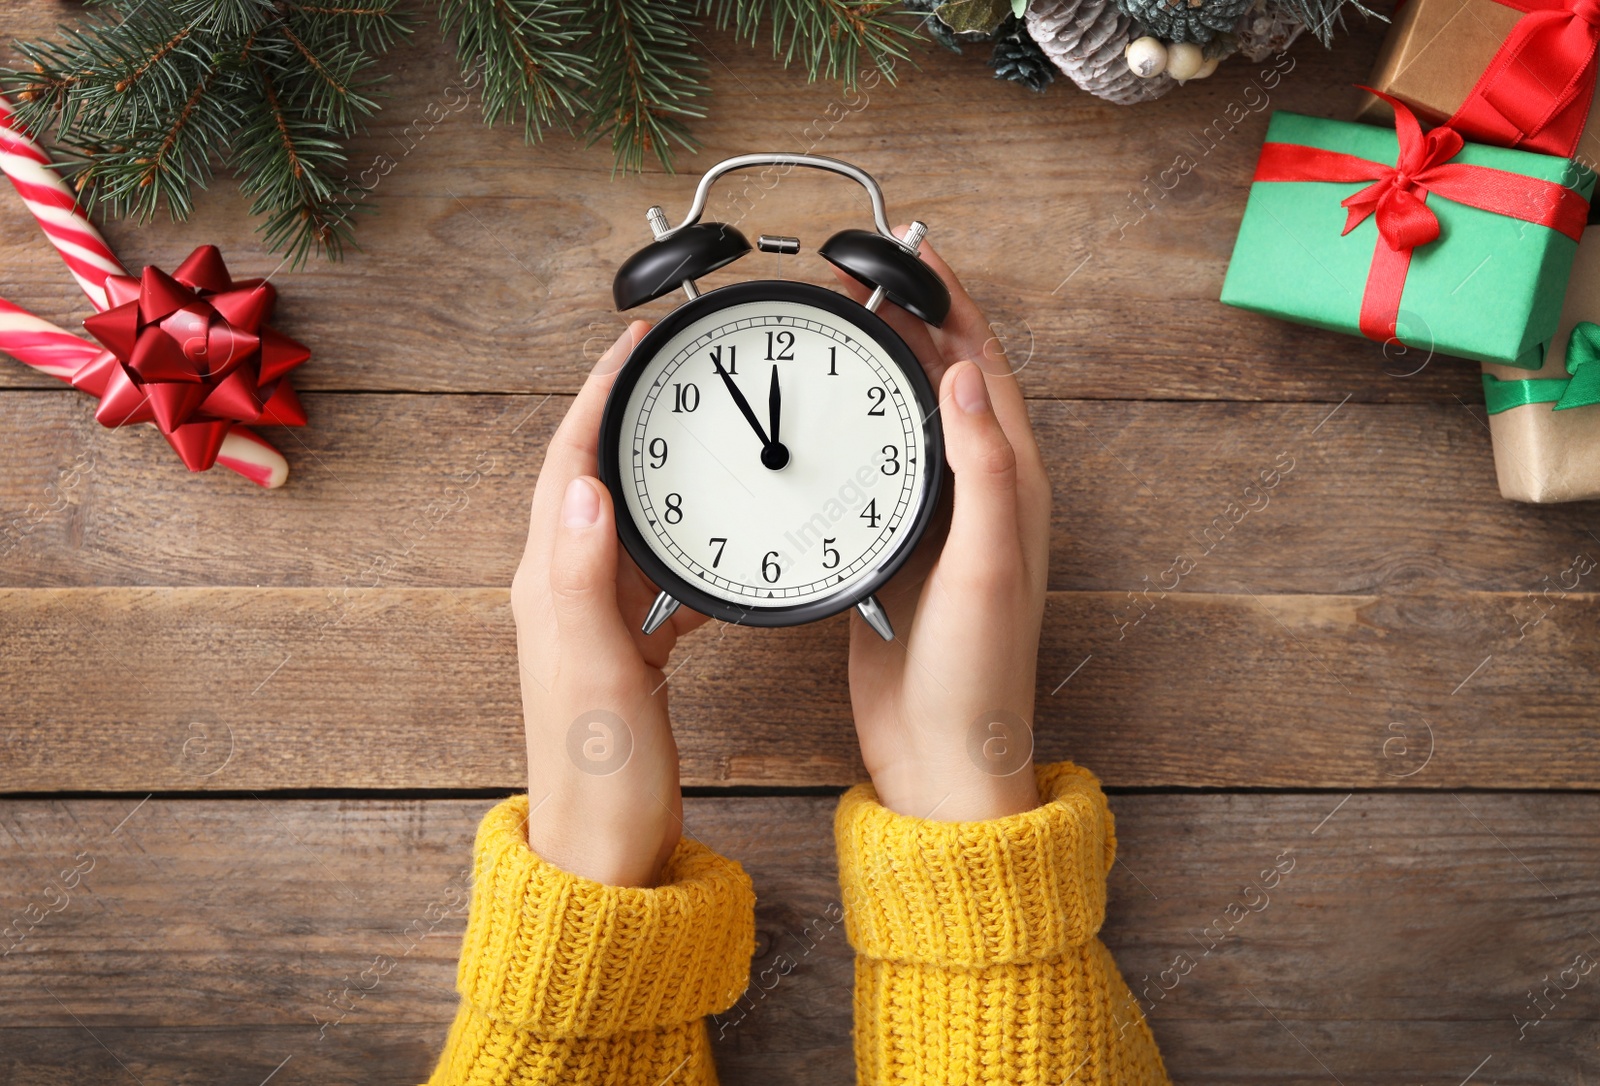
column 944, row 712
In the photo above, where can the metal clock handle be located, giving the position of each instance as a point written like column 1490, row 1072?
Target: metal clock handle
column 880, row 215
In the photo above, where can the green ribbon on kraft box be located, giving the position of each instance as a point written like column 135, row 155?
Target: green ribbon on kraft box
column 1397, row 234
column 1580, row 389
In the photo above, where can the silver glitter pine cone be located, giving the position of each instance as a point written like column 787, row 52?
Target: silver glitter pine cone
column 1086, row 39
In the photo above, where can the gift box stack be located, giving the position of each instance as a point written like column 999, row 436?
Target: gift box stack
column 1449, row 218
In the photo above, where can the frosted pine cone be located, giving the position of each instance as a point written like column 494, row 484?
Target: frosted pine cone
column 1086, row 39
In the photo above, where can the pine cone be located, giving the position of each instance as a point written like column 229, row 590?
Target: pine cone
column 1196, row 21
column 1017, row 57
column 1264, row 32
column 1085, row 39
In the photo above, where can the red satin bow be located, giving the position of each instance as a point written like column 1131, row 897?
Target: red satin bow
column 1399, row 197
column 1536, row 92
column 1397, row 200
column 191, row 352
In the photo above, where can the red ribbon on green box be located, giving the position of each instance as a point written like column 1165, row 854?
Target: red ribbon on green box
column 1397, row 199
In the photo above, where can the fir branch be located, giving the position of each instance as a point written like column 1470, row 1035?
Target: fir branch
column 293, row 167
column 832, row 38
column 531, row 70
column 646, row 80
column 105, row 76
column 150, row 104
column 122, row 85
column 232, row 18
column 332, row 81
column 1324, row 18
column 374, row 26
column 162, row 166
column 157, row 96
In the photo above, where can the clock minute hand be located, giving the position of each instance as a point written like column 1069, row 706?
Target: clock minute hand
column 774, row 455
column 738, row 398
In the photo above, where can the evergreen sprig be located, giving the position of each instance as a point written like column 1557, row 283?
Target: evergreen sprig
column 1324, row 18
column 646, row 78
column 532, row 69
column 830, row 37
column 149, row 97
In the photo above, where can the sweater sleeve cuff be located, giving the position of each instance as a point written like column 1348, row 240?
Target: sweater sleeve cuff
column 559, row 955
column 972, row 894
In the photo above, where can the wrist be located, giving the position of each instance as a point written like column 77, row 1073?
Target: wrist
column 613, row 832
column 918, row 792
column 613, row 855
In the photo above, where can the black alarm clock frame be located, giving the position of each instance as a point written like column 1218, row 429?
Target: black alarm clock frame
column 677, row 257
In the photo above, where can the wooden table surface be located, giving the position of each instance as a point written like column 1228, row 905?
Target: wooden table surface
column 256, row 729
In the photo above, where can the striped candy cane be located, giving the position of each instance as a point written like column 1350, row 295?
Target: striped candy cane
column 42, row 345
column 51, row 349
column 53, row 204
column 57, row 352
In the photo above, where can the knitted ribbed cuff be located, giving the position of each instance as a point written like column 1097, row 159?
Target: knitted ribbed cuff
column 973, row 894
column 563, row 956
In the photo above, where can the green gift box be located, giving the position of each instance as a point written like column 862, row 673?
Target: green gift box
column 1488, row 287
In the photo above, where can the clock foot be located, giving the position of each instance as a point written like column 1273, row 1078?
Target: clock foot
column 871, row 610
column 660, row 611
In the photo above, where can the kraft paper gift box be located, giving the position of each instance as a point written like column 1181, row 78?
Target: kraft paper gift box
column 1488, row 287
column 1542, row 454
column 1437, row 50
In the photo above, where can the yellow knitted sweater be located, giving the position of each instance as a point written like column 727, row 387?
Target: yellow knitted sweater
column 977, row 961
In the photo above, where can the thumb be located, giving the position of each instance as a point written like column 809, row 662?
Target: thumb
column 983, row 528
column 583, row 572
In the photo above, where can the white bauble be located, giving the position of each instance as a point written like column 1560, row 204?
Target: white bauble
column 1147, row 57
column 1184, row 60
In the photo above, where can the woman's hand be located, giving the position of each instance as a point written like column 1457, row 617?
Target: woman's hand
column 604, row 801
column 945, row 711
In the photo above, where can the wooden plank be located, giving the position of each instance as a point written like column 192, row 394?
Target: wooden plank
column 489, row 265
column 432, row 491
column 145, row 689
column 1399, row 937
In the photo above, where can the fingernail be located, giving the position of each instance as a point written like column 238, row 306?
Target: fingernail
column 615, row 354
column 580, row 506
column 971, row 392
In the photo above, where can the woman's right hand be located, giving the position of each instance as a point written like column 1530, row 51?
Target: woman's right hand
column 603, row 794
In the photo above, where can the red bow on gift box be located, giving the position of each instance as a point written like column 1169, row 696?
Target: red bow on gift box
column 1399, row 197
column 1397, row 200
column 192, row 353
column 1537, row 91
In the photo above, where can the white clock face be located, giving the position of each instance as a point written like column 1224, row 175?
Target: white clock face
column 801, row 499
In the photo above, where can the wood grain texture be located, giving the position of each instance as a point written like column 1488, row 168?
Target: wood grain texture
column 212, row 940
column 432, row 491
column 176, row 689
column 488, row 264
column 1383, row 623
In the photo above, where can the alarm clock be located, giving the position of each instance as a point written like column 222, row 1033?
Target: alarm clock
column 773, row 448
